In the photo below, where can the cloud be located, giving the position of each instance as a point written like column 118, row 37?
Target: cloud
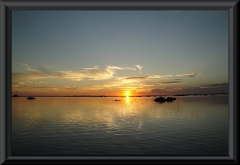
column 172, row 82
column 43, row 69
column 71, row 87
column 137, row 78
column 201, row 89
column 207, row 88
column 120, row 83
column 109, row 73
column 127, row 80
column 30, row 85
column 214, row 85
column 27, row 67
column 189, row 75
column 89, row 73
column 30, row 76
column 110, row 67
column 137, row 82
column 94, row 73
column 165, row 90
column 139, row 68
column 149, row 77
column 159, row 76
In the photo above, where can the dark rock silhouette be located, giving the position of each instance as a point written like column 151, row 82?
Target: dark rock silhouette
column 162, row 99
column 170, row 99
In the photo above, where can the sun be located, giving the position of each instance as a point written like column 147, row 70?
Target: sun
column 127, row 93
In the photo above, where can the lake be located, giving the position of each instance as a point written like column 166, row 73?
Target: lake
column 133, row 126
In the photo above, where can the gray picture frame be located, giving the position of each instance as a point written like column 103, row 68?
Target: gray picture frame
column 7, row 6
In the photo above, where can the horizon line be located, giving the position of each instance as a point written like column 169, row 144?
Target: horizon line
column 120, row 96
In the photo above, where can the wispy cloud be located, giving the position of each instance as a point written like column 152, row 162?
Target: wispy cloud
column 159, row 76
column 189, row 75
column 71, row 87
column 44, row 69
column 137, row 78
column 163, row 83
column 30, row 85
column 27, row 67
column 171, row 82
column 149, row 77
column 94, row 73
column 110, row 67
column 139, row 68
column 108, row 73
column 134, row 83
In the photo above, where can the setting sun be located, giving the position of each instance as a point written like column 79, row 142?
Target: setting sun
column 127, row 93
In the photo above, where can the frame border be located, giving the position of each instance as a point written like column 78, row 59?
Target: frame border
column 6, row 7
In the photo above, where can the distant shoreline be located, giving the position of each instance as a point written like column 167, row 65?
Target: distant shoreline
column 131, row 96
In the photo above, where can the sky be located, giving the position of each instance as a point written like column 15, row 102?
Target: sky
column 117, row 53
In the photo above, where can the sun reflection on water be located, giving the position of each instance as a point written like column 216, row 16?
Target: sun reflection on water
column 128, row 99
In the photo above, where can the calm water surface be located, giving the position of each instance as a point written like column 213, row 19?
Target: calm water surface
column 136, row 126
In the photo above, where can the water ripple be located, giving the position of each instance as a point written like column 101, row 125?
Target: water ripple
column 99, row 126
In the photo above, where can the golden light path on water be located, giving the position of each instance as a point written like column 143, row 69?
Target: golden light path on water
column 128, row 99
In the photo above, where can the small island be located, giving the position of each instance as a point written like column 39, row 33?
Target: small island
column 162, row 99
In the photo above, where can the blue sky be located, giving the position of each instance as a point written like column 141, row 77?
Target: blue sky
column 110, row 52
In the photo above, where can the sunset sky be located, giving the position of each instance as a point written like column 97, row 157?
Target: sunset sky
column 65, row 53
